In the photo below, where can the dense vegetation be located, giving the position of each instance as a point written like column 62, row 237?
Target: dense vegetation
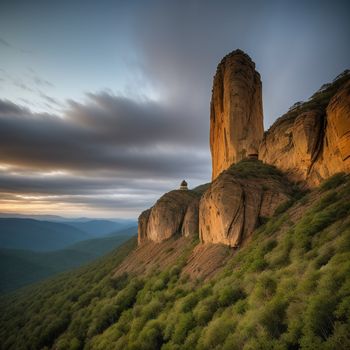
column 21, row 267
column 289, row 288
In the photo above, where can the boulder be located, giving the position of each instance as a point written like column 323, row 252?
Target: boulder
column 233, row 206
column 166, row 217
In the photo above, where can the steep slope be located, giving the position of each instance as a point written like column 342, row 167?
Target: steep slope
column 288, row 288
column 37, row 235
column 236, row 116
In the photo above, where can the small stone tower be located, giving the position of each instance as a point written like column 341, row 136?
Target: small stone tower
column 183, row 185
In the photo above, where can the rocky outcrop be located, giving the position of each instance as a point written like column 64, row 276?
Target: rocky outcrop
column 335, row 156
column 142, row 226
column 309, row 143
column 190, row 224
column 312, row 141
column 233, row 206
column 236, row 116
column 166, row 218
column 293, row 144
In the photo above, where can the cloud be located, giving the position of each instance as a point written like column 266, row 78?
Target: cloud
column 109, row 150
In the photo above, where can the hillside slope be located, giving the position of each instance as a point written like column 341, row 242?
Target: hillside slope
column 286, row 288
column 21, row 267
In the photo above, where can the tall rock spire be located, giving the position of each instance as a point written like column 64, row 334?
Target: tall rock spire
column 236, row 116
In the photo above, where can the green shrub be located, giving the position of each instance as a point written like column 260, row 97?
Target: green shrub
column 272, row 317
column 333, row 182
column 205, row 310
column 216, row 332
column 184, row 324
column 284, row 206
column 229, row 295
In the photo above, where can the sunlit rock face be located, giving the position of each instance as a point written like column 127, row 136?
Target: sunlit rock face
column 293, row 144
column 233, row 206
column 166, row 218
column 335, row 155
column 312, row 145
column 236, row 116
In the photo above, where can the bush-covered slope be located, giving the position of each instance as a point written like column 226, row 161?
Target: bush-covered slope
column 288, row 288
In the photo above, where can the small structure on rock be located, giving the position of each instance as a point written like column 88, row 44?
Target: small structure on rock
column 183, row 185
column 253, row 156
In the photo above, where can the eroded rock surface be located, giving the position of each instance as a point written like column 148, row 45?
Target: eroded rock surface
column 142, row 226
column 190, row 226
column 165, row 219
column 232, row 207
column 236, row 116
column 312, row 141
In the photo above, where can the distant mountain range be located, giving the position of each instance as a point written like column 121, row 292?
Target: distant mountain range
column 41, row 235
column 21, row 267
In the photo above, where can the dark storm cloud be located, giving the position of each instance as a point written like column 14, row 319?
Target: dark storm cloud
column 110, row 152
column 297, row 46
column 108, row 132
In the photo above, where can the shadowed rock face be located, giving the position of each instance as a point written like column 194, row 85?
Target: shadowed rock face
column 236, row 116
column 166, row 218
column 142, row 226
column 191, row 220
column 312, row 145
column 230, row 209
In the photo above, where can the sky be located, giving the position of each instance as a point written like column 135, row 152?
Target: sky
column 104, row 105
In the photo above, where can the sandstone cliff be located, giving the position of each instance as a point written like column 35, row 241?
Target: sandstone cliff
column 312, row 141
column 308, row 144
column 238, row 200
column 169, row 217
column 236, row 116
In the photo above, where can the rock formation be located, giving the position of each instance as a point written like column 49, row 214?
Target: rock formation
column 165, row 219
column 191, row 219
column 234, row 204
column 312, row 141
column 142, row 226
column 236, row 116
column 309, row 143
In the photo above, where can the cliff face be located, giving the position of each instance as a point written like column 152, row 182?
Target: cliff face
column 312, row 141
column 309, row 144
column 236, row 116
column 167, row 217
column 238, row 200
